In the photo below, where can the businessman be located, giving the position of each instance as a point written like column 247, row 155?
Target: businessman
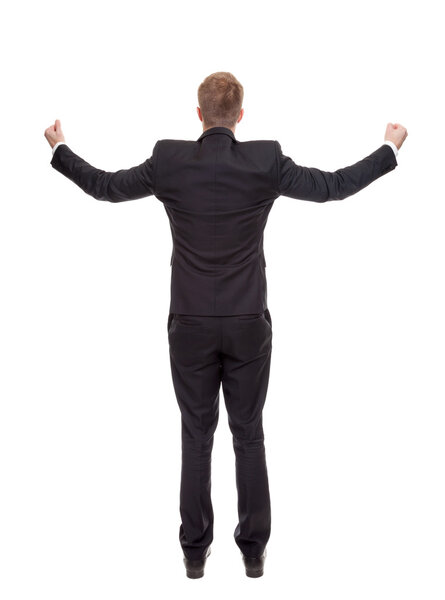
column 217, row 192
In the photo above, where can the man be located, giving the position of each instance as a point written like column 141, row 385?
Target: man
column 218, row 192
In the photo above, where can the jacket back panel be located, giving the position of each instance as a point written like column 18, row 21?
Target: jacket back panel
column 217, row 193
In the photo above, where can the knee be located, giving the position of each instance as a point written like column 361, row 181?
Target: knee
column 248, row 444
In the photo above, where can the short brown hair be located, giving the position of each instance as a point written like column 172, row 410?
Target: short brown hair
column 220, row 98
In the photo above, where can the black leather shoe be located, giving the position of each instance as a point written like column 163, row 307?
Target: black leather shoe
column 195, row 568
column 254, row 566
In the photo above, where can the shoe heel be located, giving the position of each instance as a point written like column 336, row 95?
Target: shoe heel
column 254, row 572
column 194, row 569
column 195, row 573
column 254, row 566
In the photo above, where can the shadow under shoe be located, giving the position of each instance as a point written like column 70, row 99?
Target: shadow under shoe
column 254, row 565
column 195, row 568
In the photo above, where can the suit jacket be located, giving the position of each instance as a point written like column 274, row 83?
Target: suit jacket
column 218, row 192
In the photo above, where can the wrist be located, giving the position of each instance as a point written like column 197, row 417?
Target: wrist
column 393, row 146
column 57, row 145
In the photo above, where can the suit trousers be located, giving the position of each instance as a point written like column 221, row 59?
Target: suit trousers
column 205, row 353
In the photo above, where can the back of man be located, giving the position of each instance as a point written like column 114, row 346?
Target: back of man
column 218, row 192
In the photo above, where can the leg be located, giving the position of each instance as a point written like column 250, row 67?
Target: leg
column 196, row 374
column 246, row 360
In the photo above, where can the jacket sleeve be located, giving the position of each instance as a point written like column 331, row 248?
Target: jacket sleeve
column 310, row 183
column 118, row 186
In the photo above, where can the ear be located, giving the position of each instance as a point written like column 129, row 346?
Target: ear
column 199, row 113
column 241, row 115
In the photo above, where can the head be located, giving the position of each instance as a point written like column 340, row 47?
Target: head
column 220, row 98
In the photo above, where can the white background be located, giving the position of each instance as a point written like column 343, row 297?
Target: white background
column 354, row 418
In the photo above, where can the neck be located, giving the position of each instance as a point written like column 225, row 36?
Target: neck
column 232, row 129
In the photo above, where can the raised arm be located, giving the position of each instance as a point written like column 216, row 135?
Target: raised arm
column 119, row 186
column 310, row 183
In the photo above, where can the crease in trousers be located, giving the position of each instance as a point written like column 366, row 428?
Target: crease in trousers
column 205, row 353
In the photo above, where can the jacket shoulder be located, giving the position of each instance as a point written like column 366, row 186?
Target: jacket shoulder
column 172, row 141
column 259, row 142
column 266, row 148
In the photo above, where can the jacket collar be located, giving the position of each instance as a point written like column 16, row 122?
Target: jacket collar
column 212, row 130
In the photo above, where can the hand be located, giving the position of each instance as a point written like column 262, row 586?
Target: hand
column 396, row 133
column 54, row 134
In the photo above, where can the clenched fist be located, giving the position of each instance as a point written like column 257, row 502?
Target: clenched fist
column 54, row 134
column 396, row 133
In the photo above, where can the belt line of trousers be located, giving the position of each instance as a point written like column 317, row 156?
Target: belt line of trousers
column 207, row 352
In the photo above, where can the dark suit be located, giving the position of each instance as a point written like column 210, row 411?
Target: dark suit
column 218, row 192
